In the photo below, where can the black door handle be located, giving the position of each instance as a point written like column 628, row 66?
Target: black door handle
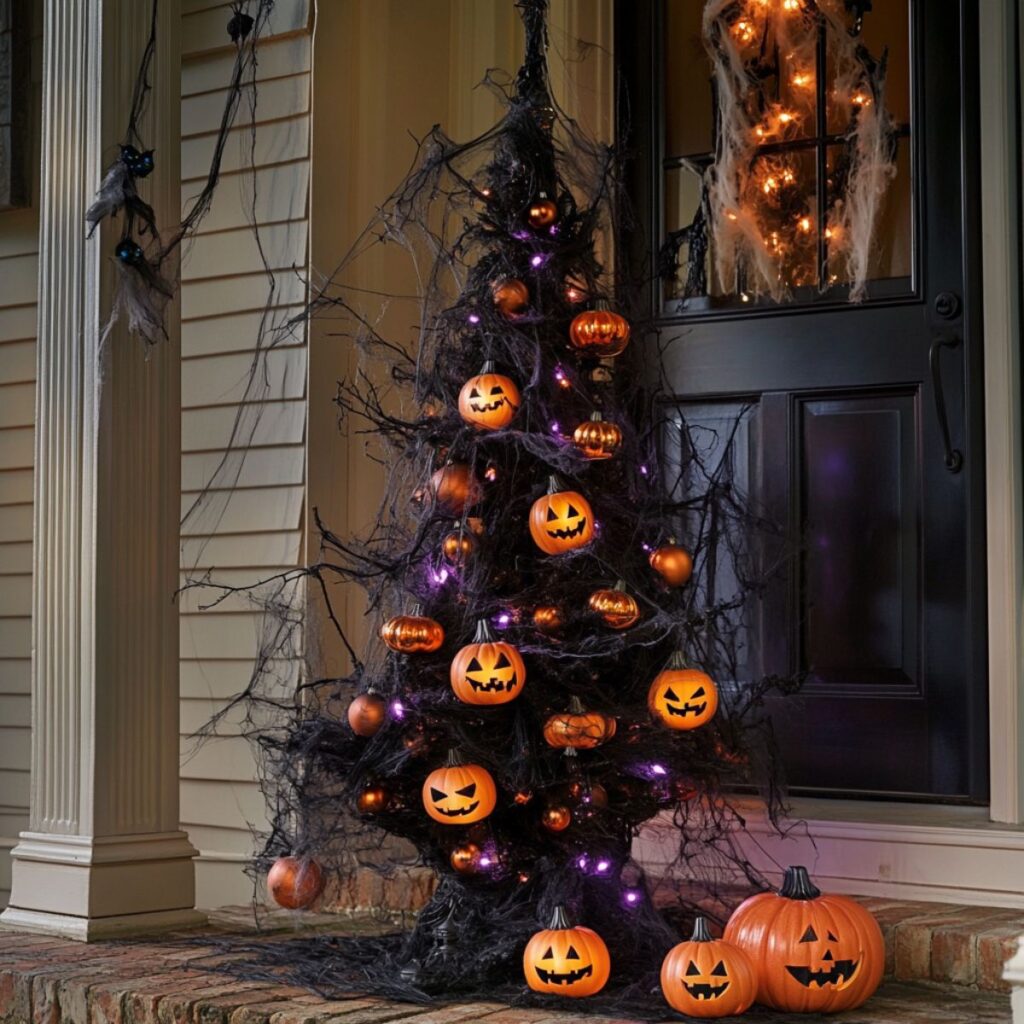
column 953, row 458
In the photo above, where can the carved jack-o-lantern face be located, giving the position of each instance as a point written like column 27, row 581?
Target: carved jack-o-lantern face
column 487, row 671
column 561, row 520
column 566, row 961
column 489, row 400
column 682, row 698
column 812, row 952
column 459, row 794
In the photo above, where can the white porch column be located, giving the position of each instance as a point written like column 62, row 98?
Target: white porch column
column 104, row 854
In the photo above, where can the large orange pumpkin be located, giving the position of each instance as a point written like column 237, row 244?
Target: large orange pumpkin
column 455, row 488
column 489, row 400
column 561, row 520
column 564, row 960
column 487, row 671
column 681, row 697
column 459, row 794
column 599, row 332
column 708, row 977
column 813, row 953
column 579, row 728
column 412, row 634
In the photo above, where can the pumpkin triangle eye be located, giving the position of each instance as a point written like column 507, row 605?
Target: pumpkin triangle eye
column 473, row 393
column 551, row 514
column 720, row 971
column 670, row 694
column 496, row 391
column 437, row 795
column 474, row 666
column 692, row 970
column 549, row 954
column 571, row 954
column 810, row 935
column 832, row 938
column 502, row 661
column 571, row 512
column 699, row 692
column 467, row 790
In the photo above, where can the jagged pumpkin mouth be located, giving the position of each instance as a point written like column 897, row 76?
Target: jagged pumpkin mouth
column 489, row 406
column 564, row 977
column 494, row 684
column 570, row 531
column 457, row 812
column 703, row 990
column 839, row 974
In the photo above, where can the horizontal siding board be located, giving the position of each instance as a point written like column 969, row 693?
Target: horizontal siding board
column 228, row 758
column 195, row 716
column 14, row 746
column 237, row 294
column 15, row 596
column 15, row 488
column 235, row 636
column 15, row 638
column 280, row 195
column 207, row 30
column 16, row 448
column 15, row 521
column 238, row 332
column 277, row 57
column 265, row 424
column 277, row 99
column 15, row 558
column 17, row 358
column 213, row 803
column 274, row 143
column 251, row 511
column 17, row 402
column 226, row 678
column 15, row 710
column 283, row 245
column 221, row 380
column 18, row 276
column 15, row 676
column 14, row 787
column 254, row 467
column 13, row 820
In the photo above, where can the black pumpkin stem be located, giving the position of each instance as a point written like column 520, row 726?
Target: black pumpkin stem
column 797, row 885
column 701, row 931
column 560, row 919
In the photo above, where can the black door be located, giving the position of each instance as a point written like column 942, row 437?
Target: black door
column 849, row 405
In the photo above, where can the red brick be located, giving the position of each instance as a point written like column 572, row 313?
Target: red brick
column 912, row 943
column 45, row 1008
column 106, row 1005
column 995, row 947
column 15, row 997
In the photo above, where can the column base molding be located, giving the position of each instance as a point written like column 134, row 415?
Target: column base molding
column 90, row 929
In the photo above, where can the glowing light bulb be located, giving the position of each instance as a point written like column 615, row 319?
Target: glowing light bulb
column 603, row 866
column 802, row 79
column 397, row 709
column 804, row 224
column 632, row 897
column 537, row 261
column 491, row 474
column 791, row 5
column 745, row 31
column 785, row 117
column 473, row 318
column 860, row 99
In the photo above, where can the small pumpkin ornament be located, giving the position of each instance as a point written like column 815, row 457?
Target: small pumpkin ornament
column 412, row 634
column 455, row 488
column 813, row 953
column 681, row 697
column 579, row 728
column 566, row 960
column 489, row 400
column 672, row 563
column 458, row 547
column 597, row 438
column 487, row 671
column 556, row 817
column 599, row 332
column 295, row 882
column 616, row 608
column 543, row 212
column 561, row 520
column 511, row 296
column 366, row 713
column 373, row 799
column 466, row 858
column 548, row 619
column 459, row 794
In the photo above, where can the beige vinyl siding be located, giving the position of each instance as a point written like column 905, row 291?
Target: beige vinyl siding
column 250, row 525
column 19, row 246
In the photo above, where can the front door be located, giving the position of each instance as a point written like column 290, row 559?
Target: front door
column 863, row 426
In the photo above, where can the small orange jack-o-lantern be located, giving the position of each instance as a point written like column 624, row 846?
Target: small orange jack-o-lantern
column 412, row 634
column 597, row 438
column 614, row 606
column 681, row 697
column 672, row 563
column 599, row 332
column 455, row 488
column 487, row 671
column 459, row 794
column 564, row 960
column 579, row 728
column 543, row 212
column 561, row 520
column 708, row 977
column 294, row 882
column 489, row 400
column 813, row 953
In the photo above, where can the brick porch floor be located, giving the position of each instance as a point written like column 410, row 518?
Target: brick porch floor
column 53, row 981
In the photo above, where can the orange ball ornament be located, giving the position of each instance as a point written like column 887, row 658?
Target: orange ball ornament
column 599, row 332
column 566, row 960
column 487, row 671
column 596, row 438
column 556, row 818
column 366, row 713
column 548, row 619
column 489, row 400
column 455, row 488
column 681, row 697
column 579, row 728
column 615, row 607
column 458, row 547
column 459, row 794
column 560, row 520
column 543, row 212
column 295, row 882
column 672, row 563
column 412, row 634
column 511, row 296
column 373, row 800
column 465, row 859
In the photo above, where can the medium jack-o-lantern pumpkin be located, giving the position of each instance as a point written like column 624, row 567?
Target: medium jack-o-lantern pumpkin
column 543, row 212
column 614, row 606
column 708, row 977
column 295, row 882
column 599, row 332
column 579, row 728
column 812, row 952
column 597, row 438
column 564, row 960
column 487, row 671
column 412, row 634
column 681, row 697
column 561, row 520
column 489, row 400
column 459, row 794
column 455, row 488
column 672, row 563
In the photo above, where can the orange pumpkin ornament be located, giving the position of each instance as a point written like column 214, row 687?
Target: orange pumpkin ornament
column 412, row 634
column 459, row 794
column 599, row 332
column 561, row 521
column 366, row 713
column 511, row 296
column 548, row 618
column 681, row 697
column 458, row 547
column 579, row 728
column 489, row 400
column 373, row 800
column 708, row 977
column 564, row 960
column 487, row 671
column 455, row 488
column 556, row 818
column 295, row 882
column 466, row 858
column 543, row 212
column 813, row 953
column 672, row 563
column 596, row 438
column 616, row 608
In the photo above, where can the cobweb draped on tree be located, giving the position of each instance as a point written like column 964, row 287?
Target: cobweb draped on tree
column 502, row 234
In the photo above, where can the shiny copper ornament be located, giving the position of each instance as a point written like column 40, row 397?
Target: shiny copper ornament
column 455, row 488
column 466, row 858
column 672, row 563
column 599, row 332
column 511, row 296
column 373, row 800
column 295, row 882
column 548, row 618
column 616, row 608
column 578, row 727
column 596, row 438
column 556, row 818
column 412, row 634
column 543, row 212
column 458, row 547
column 366, row 713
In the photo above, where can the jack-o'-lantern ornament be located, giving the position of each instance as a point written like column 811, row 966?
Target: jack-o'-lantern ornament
column 561, row 521
column 543, row 212
column 459, row 794
column 412, row 634
column 489, row 400
column 454, row 488
column 548, row 619
column 616, row 608
column 578, row 727
column 708, row 977
column 511, row 296
column 458, row 547
column 599, row 332
column 366, row 713
column 487, row 671
column 813, row 953
column 672, row 563
column 295, row 882
column 566, row 960
column 597, row 438
column 681, row 697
